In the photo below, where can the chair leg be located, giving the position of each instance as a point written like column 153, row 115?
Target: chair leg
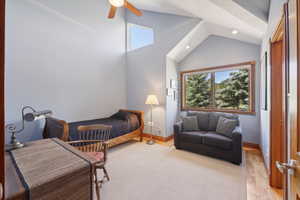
column 96, row 184
column 105, row 174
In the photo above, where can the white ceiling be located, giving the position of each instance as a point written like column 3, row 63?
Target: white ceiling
column 259, row 8
column 200, row 33
column 219, row 17
column 222, row 12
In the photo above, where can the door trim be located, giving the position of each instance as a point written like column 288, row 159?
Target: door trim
column 2, row 67
column 276, row 179
column 286, row 91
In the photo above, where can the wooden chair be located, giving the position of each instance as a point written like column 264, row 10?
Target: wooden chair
column 93, row 140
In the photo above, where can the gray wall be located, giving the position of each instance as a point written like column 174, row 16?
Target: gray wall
column 217, row 51
column 171, row 102
column 147, row 66
column 64, row 56
column 274, row 18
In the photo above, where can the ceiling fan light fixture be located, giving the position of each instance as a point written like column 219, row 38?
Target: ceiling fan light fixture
column 234, row 32
column 117, row 3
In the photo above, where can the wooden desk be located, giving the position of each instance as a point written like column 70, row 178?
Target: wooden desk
column 69, row 182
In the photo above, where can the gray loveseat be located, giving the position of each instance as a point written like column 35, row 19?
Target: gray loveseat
column 207, row 141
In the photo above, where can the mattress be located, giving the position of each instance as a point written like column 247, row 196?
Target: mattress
column 119, row 127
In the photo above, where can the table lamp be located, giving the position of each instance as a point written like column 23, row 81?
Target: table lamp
column 151, row 100
column 29, row 117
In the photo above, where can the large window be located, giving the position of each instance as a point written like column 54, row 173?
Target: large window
column 139, row 36
column 225, row 89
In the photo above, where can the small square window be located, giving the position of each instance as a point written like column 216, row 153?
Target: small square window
column 139, row 36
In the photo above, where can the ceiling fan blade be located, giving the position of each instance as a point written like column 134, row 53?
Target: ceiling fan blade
column 112, row 12
column 133, row 9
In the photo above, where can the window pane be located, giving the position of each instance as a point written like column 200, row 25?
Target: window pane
column 232, row 89
column 198, row 90
column 139, row 36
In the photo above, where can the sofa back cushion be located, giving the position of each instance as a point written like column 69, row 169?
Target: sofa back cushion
column 190, row 123
column 226, row 126
column 203, row 119
column 214, row 119
column 208, row 121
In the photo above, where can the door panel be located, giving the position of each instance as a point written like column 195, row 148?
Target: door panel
column 276, row 178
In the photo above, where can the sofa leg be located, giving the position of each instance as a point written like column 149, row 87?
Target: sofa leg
column 236, row 163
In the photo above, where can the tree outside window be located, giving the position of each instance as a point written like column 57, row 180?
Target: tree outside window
column 227, row 89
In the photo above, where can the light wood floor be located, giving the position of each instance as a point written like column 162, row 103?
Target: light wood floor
column 257, row 178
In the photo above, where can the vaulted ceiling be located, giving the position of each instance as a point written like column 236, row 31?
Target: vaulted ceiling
column 219, row 17
column 234, row 14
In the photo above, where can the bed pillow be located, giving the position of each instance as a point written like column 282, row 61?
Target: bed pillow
column 226, row 126
column 190, row 123
column 134, row 122
column 122, row 115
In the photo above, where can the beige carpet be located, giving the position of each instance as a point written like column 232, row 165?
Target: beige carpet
column 142, row 172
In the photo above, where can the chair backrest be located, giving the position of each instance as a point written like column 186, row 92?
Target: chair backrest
column 94, row 132
column 92, row 138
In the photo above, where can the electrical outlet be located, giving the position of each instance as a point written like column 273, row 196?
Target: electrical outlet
column 150, row 123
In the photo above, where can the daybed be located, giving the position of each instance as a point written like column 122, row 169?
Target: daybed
column 126, row 125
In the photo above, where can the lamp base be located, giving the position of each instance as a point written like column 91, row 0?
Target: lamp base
column 14, row 145
column 151, row 142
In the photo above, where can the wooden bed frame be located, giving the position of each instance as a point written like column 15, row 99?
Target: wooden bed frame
column 60, row 129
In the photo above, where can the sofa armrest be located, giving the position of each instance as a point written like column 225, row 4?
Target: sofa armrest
column 178, row 127
column 177, row 131
column 237, row 130
column 237, row 144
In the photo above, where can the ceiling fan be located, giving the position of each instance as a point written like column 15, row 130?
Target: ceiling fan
column 122, row 3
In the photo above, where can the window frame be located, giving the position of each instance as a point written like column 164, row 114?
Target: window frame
column 129, row 39
column 251, row 110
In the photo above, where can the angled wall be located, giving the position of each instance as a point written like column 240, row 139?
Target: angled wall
column 147, row 66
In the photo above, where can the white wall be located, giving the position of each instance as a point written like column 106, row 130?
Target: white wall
column 147, row 66
column 218, row 51
column 276, row 9
column 64, row 56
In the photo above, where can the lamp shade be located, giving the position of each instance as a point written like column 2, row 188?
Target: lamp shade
column 36, row 115
column 117, row 3
column 152, row 100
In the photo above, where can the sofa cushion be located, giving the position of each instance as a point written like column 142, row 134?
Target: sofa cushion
column 194, row 137
column 226, row 126
column 231, row 116
column 190, row 123
column 203, row 119
column 213, row 121
column 216, row 140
